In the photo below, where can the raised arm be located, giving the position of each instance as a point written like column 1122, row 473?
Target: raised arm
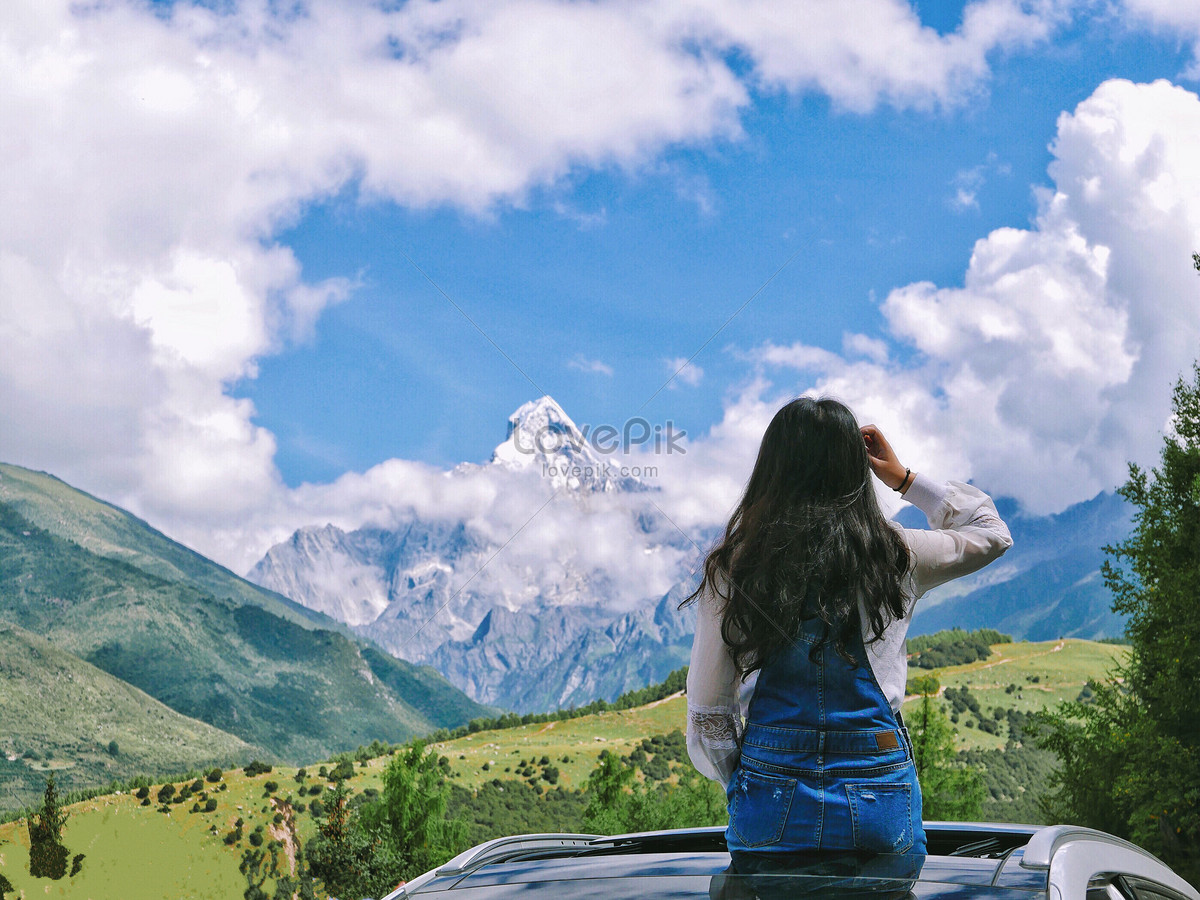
column 967, row 532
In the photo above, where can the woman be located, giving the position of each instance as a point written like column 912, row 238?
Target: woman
column 802, row 614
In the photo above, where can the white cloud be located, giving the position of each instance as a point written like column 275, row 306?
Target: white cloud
column 1172, row 16
column 152, row 156
column 968, row 182
column 864, row 52
column 874, row 349
column 683, row 371
column 583, row 364
column 1052, row 365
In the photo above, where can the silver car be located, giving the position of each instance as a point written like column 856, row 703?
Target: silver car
column 965, row 861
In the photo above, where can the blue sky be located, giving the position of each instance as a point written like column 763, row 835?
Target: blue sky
column 213, row 315
column 631, row 268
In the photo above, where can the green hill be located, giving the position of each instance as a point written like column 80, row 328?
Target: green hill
column 186, row 850
column 63, row 714
column 247, row 665
column 111, row 532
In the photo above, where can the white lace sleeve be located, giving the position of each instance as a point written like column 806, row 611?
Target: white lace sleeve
column 967, row 532
column 714, row 718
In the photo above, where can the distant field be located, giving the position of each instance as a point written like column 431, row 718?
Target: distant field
column 134, row 851
column 580, row 739
column 1061, row 667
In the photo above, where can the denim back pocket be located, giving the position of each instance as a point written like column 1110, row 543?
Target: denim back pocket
column 881, row 815
column 758, row 807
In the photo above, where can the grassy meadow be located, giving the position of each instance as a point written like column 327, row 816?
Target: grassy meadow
column 1061, row 669
column 135, row 851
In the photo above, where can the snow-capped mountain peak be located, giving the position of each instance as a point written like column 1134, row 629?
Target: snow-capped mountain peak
column 541, row 435
column 540, row 431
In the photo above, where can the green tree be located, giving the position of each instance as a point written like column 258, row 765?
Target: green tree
column 618, row 803
column 346, row 857
column 258, row 868
column 5, row 886
column 1136, row 736
column 950, row 790
column 924, row 684
column 409, row 817
column 47, row 854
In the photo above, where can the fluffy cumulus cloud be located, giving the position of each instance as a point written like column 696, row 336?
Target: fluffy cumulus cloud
column 153, row 153
column 1052, row 365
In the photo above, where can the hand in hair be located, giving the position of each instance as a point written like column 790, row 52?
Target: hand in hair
column 884, row 462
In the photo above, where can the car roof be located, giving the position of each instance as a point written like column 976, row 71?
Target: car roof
column 976, row 860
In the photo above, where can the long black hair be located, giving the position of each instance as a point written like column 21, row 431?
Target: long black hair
column 808, row 540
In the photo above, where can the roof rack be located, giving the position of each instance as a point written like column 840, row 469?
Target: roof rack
column 503, row 848
column 973, row 839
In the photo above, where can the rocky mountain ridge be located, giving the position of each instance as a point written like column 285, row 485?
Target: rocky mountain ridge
column 426, row 590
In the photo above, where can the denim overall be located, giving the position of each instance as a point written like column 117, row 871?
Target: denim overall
column 825, row 766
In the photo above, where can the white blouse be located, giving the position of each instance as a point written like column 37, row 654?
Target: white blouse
column 968, row 534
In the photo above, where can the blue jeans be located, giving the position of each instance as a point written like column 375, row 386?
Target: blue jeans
column 825, row 763
column 784, row 798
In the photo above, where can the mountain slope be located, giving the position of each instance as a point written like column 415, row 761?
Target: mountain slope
column 297, row 691
column 60, row 712
column 109, row 531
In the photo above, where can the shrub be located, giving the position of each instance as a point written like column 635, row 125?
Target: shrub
column 113, row 749
column 142, row 793
column 214, row 775
column 256, row 768
column 210, row 805
column 256, row 839
column 165, row 793
column 77, row 861
column 271, row 787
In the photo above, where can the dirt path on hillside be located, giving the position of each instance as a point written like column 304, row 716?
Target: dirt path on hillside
column 1008, row 659
column 285, row 831
column 999, row 662
column 665, row 699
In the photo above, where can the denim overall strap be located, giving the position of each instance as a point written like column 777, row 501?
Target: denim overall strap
column 824, row 765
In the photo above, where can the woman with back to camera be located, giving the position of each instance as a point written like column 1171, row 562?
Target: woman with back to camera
column 802, row 614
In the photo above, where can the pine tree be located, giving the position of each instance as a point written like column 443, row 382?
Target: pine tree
column 950, row 790
column 1131, row 757
column 47, row 855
